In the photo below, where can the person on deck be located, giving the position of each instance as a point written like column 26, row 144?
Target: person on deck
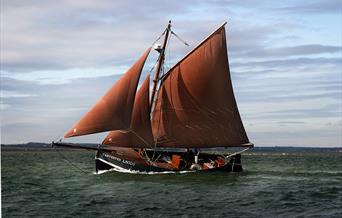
column 196, row 156
column 188, row 158
column 195, row 165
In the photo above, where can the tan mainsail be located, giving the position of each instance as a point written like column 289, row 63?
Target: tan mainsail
column 140, row 132
column 114, row 110
column 196, row 106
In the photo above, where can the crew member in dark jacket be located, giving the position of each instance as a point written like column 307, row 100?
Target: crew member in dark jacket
column 188, row 158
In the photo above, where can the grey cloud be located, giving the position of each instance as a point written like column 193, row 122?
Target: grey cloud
column 327, row 6
column 59, row 36
column 48, row 110
column 244, row 37
column 51, row 35
column 80, row 93
column 323, row 137
column 290, row 122
column 281, row 95
column 81, row 34
column 287, row 90
column 300, row 113
column 338, row 123
column 292, row 51
column 327, row 111
column 289, row 63
column 52, row 108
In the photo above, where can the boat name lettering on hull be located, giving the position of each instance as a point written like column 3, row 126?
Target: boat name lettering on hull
column 119, row 159
column 111, row 157
column 128, row 162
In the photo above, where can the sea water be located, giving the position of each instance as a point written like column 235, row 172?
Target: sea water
column 50, row 183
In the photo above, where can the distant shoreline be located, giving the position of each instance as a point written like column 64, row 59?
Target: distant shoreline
column 31, row 146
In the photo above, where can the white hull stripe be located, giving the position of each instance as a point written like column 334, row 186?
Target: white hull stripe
column 111, row 164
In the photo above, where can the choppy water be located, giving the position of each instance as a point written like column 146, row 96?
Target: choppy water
column 42, row 184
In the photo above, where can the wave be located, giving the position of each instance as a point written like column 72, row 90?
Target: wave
column 122, row 170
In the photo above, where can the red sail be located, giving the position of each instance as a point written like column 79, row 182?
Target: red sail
column 140, row 133
column 114, row 109
column 196, row 105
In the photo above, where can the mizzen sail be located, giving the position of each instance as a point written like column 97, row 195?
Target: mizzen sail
column 140, row 133
column 114, row 110
column 195, row 106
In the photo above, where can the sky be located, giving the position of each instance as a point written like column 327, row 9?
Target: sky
column 57, row 58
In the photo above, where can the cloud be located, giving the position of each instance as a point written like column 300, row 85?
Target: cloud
column 290, row 62
column 327, row 6
column 58, row 58
column 323, row 112
column 85, row 34
column 302, row 138
column 290, row 51
column 45, row 108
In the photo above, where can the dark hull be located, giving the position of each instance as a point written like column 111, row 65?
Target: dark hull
column 130, row 160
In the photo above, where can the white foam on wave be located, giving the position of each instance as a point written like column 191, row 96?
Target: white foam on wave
column 122, row 170
column 102, row 171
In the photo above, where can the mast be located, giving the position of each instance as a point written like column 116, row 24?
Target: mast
column 160, row 63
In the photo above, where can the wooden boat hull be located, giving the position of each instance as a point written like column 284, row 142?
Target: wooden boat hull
column 130, row 160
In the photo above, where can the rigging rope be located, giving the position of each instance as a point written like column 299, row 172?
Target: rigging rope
column 154, row 65
column 180, row 39
column 159, row 37
column 71, row 163
column 238, row 152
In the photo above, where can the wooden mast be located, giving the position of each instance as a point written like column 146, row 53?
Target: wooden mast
column 160, row 63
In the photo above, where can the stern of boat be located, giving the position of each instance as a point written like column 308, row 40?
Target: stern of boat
column 234, row 164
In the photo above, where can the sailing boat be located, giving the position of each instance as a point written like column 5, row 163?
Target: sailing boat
column 192, row 107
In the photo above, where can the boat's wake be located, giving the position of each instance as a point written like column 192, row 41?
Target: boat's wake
column 121, row 170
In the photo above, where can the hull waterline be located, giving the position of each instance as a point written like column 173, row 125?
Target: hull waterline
column 131, row 160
